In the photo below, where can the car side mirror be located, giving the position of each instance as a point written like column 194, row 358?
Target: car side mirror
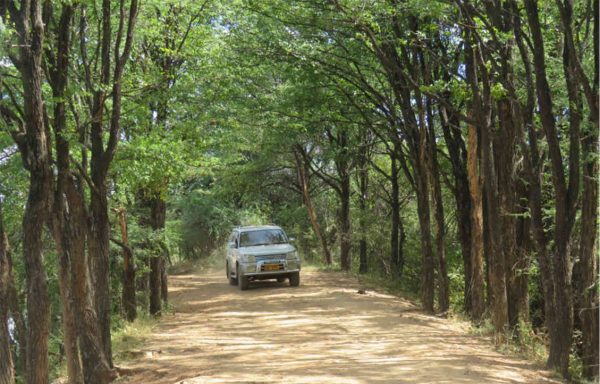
column 292, row 239
column 231, row 244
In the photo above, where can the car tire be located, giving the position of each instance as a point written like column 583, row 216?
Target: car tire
column 295, row 279
column 242, row 280
column 280, row 279
column 232, row 280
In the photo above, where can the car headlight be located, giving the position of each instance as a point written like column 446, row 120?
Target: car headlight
column 292, row 255
column 248, row 258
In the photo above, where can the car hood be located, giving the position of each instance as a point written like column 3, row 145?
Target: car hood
column 267, row 249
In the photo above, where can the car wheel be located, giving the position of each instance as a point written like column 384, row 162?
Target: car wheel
column 280, row 279
column 295, row 279
column 232, row 280
column 242, row 280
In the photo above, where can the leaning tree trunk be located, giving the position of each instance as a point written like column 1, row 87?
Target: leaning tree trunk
column 312, row 215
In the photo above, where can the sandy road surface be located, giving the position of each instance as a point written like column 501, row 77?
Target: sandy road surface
column 320, row 332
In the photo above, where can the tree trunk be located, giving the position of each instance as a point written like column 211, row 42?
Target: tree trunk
column 566, row 192
column 396, row 257
column 157, row 222
column 37, row 160
column 129, row 299
column 587, row 294
column 587, row 268
column 304, row 184
column 103, row 149
column 476, row 285
column 518, row 266
column 164, row 277
column 427, row 260
column 96, row 366
column 7, row 369
column 363, row 186
column 99, row 256
column 38, row 305
column 344, row 220
column 58, row 82
column 496, row 264
column 20, row 330
column 438, row 206
column 458, row 159
column 74, row 369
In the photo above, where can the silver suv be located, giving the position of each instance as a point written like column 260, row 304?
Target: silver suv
column 260, row 253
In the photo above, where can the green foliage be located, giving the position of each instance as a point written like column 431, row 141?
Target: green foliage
column 220, row 96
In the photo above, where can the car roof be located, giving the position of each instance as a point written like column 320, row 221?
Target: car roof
column 256, row 228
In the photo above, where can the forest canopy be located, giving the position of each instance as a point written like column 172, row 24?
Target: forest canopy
column 447, row 148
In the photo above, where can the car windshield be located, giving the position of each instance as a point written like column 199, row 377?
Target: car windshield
column 262, row 237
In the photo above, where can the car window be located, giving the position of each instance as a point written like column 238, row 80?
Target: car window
column 262, row 237
column 233, row 239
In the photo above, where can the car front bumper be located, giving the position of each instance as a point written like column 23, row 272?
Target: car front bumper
column 260, row 268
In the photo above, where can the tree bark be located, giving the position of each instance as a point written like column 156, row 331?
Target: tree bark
column 458, row 159
column 476, row 284
column 7, row 368
column 560, row 298
column 157, row 222
column 497, row 267
column 129, row 299
column 587, row 268
column 396, row 256
column 74, row 369
column 438, row 207
column 518, row 266
column 423, row 211
column 344, row 220
column 363, row 188
column 96, row 366
column 20, row 330
column 99, row 236
column 304, row 184
column 103, row 151
column 36, row 157
column 59, row 67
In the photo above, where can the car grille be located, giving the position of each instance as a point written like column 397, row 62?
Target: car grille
column 270, row 257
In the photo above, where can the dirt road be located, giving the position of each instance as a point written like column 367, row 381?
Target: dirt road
column 320, row 332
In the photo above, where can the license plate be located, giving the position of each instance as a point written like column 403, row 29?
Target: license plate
column 272, row 267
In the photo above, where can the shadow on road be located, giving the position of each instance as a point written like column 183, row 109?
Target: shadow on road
column 320, row 332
